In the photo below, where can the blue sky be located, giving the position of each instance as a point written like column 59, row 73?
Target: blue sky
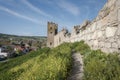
column 30, row 17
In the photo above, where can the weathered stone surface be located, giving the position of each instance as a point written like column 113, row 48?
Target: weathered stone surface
column 85, row 23
column 110, row 3
column 101, row 23
column 108, row 45
column 118, row 30
column 106, row 50
column 118, row 4
column 113, row 50
column 114, row 16
column 119, row 13
column 89, row 30
column 118, row 42
column 93, row 26
column 105, row 10
column 118, row 45
column 99, row 34
column 110, row 31
column 101, row 44
column 96, row 43
column 94, row 36
column 115, row 45
column 77, row 71
column 103, row 32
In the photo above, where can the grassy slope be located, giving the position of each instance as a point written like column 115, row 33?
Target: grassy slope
column 44, row 64
column 99, row 65
column 54, row 64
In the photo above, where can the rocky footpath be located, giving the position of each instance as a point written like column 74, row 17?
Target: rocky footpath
column 77, row 68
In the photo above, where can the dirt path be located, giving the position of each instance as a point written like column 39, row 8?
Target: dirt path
column 77, row 68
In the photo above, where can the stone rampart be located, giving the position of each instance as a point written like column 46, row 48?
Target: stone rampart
column 102, row 33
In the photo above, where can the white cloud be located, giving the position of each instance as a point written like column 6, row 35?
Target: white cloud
column 18, row 14
column 34, row 8
column 70, row 7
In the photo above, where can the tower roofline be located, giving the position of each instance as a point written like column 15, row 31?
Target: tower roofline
column 52, row 23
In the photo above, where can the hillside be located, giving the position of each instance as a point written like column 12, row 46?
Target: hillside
column 44, row 64
column 6, row 39
column 55, row 64
column 7, row 36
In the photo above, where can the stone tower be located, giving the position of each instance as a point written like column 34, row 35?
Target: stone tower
column 51, row 32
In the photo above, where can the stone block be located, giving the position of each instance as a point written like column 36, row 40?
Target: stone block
column 115, row 45
column 93, row 26
column 101, row 23
column 94, row 36
column 110, row 31
column 89, row 30
column 108, row 45
column 101, row 44
column 118, row 42
column 96, row 43
column 118, row 30
column 119, row 13
column 99, row 34
column 106, row 50
column 110, row 3
column 118, row 3
column 112, row 40
column 113, row 50
column 113, row 16
column 88, row 36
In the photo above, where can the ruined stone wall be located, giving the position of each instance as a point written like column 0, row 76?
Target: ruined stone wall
column 60, row 37
column 103, row 32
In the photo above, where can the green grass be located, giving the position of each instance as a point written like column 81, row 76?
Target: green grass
column 97, row 64
column 55, row 64
column 45, row 64
column 100, row 66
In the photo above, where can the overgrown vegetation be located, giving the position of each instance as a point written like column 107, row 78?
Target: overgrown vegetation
column 55, row 64
column 98, row 65
column 45, row 64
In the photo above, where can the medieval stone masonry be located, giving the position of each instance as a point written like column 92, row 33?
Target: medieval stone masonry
column 101, row 33
column 52, row 31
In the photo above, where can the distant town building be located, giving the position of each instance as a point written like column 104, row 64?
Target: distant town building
column 3, row 53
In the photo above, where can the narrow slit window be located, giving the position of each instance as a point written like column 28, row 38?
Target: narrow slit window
column 50, row 43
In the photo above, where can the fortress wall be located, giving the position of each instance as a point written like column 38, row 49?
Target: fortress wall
column 103, row 32
column 60, row 38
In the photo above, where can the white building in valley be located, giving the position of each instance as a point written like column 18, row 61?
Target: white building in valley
column 3, row 53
